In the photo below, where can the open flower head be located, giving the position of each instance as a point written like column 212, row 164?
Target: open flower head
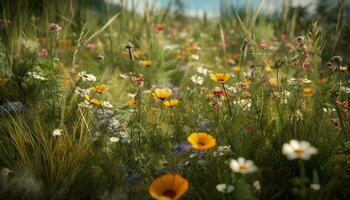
column 243, row 166
column 168, row 187
column 201, row 140
column 236, row 69
column 146, row 63
column 171, row 103
column 57, row 132
column 101, row 88
column 220, row 77
column 92, row 101
column 298, row 150
column 162, row 94
column 308, row 91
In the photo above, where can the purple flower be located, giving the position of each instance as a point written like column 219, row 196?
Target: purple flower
column 182, row 148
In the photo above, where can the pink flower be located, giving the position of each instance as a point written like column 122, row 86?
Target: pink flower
column 174, row 32
column 283, row 37
column 43, row 53
column 90, row 46
column 159, row 27
column 264, row 44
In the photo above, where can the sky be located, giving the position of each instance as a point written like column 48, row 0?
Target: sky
column 212, row 7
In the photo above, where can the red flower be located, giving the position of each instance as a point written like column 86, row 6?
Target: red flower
column 218, row 93
column 43, row 53
column 139, row 80
column 159, row 27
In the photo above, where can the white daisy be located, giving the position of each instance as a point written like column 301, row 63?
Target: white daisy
column 203, row 70
column 106, row 104
column 315, row 186
column 295, row 149
column 87, row 77
column 57, row 132
column 197, row 79
column 114, row 139
column 81, row 91
column 224, row 188
column 243, row 166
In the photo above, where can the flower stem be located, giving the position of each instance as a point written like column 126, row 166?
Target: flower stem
column 302, row 178
column 139, row 111
column 228, row 102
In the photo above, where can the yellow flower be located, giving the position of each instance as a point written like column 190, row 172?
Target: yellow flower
column 220, row 77
column 236, row 69
column 99, row 88
column 180, row 56
column 273, row 82
column 138, row 53
column 168, row 187
column 308, row 91
column 3, row 81
column 268, row 69
column 269, row 62
column 94, row 102
column 146, row 63
column 201, row 140
column 246, row 94
column 132, row 102
column 171, row 103
column 162, row 93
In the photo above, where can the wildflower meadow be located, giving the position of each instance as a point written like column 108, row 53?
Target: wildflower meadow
column 147, row 99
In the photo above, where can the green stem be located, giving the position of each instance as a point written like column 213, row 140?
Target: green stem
column 228, row 102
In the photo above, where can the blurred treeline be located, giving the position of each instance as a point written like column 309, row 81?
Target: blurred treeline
column 332, row 15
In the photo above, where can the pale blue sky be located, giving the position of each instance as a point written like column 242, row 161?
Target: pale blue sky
column 212, row 7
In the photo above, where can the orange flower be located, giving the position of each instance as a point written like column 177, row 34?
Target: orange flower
column 220, row 77
column 201, row 140
column 99, row 88
column 323, row 79
column 308, row 91
column 236, row 69
column 132, row 102
column 171, row 103
column 168, row 187
column 3, row 82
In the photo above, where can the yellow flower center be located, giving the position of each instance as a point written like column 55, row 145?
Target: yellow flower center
column 299, row 152
column 243, row 168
